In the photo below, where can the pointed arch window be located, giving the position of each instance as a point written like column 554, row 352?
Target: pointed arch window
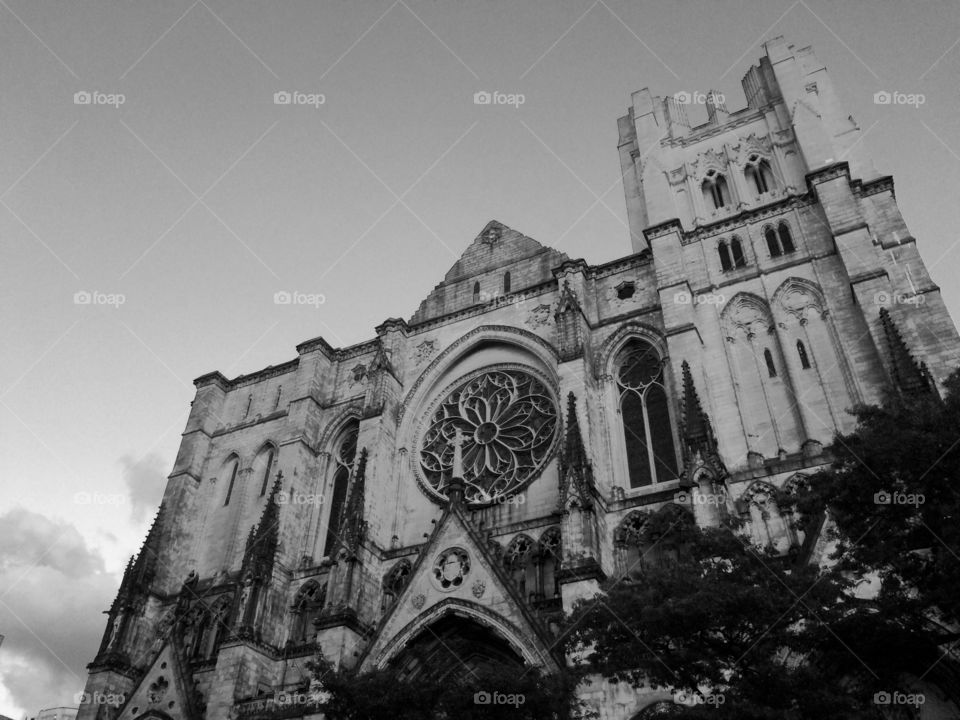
column 715, row 190
column 645, row 415
column 344, row 454
column 394, row 582
column 773, row 246
column 804, row 358
column 724, row 252
column 506, row 282
column 759, row 175
column 307, row 607
column 786, row 240
column 476, row 292
column 549, row 564
column 231, row 467
column 264, row 464
column 768, row 359
column 736, row 250
column 518, row 560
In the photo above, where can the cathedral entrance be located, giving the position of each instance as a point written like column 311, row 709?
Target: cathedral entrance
column 454, row 645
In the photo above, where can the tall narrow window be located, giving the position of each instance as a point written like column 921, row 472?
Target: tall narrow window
column 759, row 174
column 550, row 563
column 264, row 463
column 276, row 402
column 506, row 282
column 644, row 409
column 786, row 242
column 802, row 352
column 343, row 456
column 518, row 560
column 725, row 263
column 476, row 292
column 772, row 245
column 768, row 358
column 715, row 189
column 232, row 467
column 736, row 249
column 249, row 403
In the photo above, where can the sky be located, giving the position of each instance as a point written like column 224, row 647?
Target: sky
column 144, row 234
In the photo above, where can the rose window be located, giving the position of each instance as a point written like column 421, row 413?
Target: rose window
column 450, row 569
column 507, row 421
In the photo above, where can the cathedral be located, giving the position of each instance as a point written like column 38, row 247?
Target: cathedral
column 473, row 471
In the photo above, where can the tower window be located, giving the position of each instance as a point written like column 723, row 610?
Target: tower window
column 758, row 174
column 772, row 245
column 736, row 250
column 276, row 402
column 715, row 189
column 724, row 251
column 249, row 403
column 267, row 460
column 768, row 358
column 644, row 410
column 786, row 242
column 802, row 352
column 235, row 463
column 626, row 289
column 476, row 292
column 506, row 282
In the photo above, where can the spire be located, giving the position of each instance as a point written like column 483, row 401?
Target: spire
column 142, row 568
column 696, row 430
column 263, row 538
column 576, row 473
column 910, row 377
column 352, row 524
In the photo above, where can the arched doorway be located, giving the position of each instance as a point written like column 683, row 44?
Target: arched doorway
column 454, row 644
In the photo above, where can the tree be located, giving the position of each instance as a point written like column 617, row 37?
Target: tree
column 449, row 689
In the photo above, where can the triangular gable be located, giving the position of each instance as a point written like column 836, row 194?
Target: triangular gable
column 496, row 248
column 485, row 595
column 165, row 688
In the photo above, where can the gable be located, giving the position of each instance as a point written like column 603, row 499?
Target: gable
column 441, row 586
column 495, row 251
column 165, row 690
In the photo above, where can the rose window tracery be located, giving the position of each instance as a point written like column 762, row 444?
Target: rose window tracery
column 451, row 568
column 507, row 421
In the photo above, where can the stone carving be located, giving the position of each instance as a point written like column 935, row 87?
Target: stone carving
column 538, row 316
column 478, row 588
column 157, row 689
column 419, row 600
column 424, row 351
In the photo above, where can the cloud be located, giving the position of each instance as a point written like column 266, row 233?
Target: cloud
column 145, row 479
column 29, row 540
column 53, row 591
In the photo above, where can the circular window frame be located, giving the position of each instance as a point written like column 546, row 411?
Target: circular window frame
column 437, row 398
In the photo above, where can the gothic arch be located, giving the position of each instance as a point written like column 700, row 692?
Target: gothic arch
column 544, row 352
column 394, row 582
column 758, row 487
column 269, row 452
column 611, row 347
column 354, row 411
column 747, row 313
column 795, row 296
column 510, row 633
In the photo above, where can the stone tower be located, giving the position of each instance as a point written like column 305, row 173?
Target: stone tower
column 473, row 471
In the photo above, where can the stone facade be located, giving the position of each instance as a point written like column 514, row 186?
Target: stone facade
column 347, row 499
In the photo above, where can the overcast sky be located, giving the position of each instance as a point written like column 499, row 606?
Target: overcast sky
column 185, row 198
